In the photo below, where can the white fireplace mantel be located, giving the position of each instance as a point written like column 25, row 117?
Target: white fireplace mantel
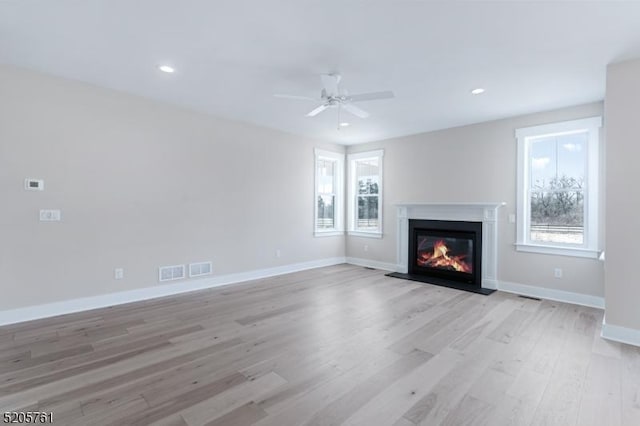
column 487, row 213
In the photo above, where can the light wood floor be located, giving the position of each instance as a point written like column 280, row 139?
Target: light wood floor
column 341, row 345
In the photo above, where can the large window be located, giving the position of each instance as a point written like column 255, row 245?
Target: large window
column 365, row 194
column 329, row 193
column 558, row 188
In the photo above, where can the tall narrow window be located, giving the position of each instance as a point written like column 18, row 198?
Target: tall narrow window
column 558, row 188
column 328, row 193
column 365, row 194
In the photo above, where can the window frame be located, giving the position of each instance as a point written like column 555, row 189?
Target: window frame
column 352, row 205
column 525, row 137
column 338, row 186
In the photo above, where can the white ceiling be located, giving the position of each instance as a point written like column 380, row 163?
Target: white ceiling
column 232, row 56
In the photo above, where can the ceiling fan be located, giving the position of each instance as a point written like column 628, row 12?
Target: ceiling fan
column 331, row 96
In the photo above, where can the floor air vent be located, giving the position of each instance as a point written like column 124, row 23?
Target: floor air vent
column 200, row 269
column 170, row 273
column 529, row 297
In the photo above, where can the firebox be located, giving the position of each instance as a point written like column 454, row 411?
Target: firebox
column 446, row 253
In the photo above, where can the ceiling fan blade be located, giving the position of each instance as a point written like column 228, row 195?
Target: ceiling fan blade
column 358, row 112
column 371, row 96
column 318, row 110
column 300, row 98
column 330, row 83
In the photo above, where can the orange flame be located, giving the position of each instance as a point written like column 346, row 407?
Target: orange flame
column 440, row 259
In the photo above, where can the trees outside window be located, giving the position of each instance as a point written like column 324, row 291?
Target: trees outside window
column 558, row 188
column 329, row 184
column 365, row 194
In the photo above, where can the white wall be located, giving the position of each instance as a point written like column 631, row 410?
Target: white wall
column 622, row 286
column 474, row 163
column 141, row 184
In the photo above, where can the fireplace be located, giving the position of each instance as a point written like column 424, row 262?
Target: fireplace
column 465, row 232
column 446, row 252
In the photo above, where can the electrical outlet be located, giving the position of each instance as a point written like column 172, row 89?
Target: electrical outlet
column 366, row 248
column 118, row 273
column 557, row 272
column 278, row 253
column 50, row 216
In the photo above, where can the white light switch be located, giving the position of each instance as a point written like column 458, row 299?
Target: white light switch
column 512, row 218
column 50, row 215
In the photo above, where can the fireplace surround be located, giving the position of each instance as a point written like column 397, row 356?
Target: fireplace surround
column 470, row 225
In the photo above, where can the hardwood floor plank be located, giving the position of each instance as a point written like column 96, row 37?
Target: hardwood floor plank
column 297, row 387
column 341, row 345
column 421, row 409
column 491, row 386
column 412, row 396
column 21, row 380
column 301, row 408
column 241, row 416
column 222, row 404
column 630, row 385
column 166, row 406
column 586, row 322
column 32, row 361
column 510, row 327
column 561, row 400
column 605, row 347
column 340, row 409
column 112, row 374
column 470, row 411
column 175, row 420
column 476, row 309
column 601, row 399
column 116, row 415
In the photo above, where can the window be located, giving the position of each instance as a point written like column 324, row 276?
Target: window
column 329, row 200
column 365, row 194
column 558, row 188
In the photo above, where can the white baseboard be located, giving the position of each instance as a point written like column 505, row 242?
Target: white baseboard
column 372, row 264
column 490, row 284
column 160, row 290
column 552, row 294
column 620, row 334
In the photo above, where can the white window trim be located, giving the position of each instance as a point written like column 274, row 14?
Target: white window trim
column 524, row 136
column 338, row 208
column 352, row 196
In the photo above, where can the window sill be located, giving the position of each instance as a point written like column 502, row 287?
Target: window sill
column 558, row 250
column 366, row 234
column 328, row 233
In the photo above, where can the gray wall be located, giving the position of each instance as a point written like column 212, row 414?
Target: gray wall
column 623, row 202
column 475, row 163
column 141, row 184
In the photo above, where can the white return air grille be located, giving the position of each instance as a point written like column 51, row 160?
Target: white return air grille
column 170, row 273
column 200, row 269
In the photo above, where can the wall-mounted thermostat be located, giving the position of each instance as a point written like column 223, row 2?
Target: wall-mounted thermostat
column 34, row 184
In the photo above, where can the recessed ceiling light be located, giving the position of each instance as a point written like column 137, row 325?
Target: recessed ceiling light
column 166, row 68
column 344, row 124
column 477, row 91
